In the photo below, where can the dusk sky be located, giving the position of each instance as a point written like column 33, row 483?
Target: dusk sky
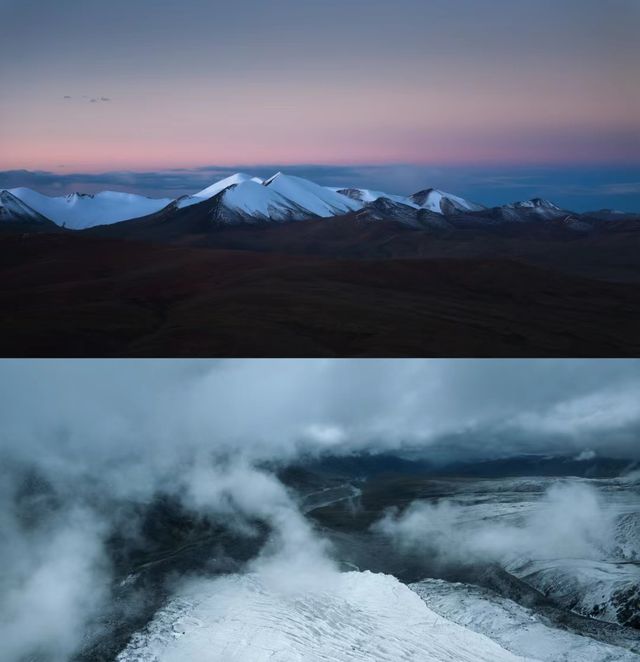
column 91, row 86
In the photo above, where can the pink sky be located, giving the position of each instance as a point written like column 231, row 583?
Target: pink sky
column 442, row 82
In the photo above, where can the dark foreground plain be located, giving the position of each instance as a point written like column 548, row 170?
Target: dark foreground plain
column 335, row 287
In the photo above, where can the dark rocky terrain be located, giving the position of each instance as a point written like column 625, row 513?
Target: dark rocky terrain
column 67, row 294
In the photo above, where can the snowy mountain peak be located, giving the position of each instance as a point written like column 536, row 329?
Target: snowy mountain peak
column 215, row 188
column 362, row 195
column 440, row 202
column 535, row 203
column 536, row 208
column 12, row 209
column 281, row 198
column 8, row 198
column 251, row 202
column 315, row 199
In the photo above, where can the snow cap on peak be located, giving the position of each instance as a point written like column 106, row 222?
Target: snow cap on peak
column 215, row 188
column 541, row 202
column 441, row 202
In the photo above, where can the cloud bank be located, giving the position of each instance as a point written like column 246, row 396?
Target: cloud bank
column 570, row 521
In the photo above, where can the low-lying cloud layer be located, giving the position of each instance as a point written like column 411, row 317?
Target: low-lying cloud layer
column 78, row 440
column 78, row 415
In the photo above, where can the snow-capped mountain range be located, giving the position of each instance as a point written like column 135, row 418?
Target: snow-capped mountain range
column 243, row 198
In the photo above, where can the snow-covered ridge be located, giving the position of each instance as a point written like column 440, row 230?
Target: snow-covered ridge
column 360, row 617
column 250, row 202
column 520, row 630
column 79, row 210
column 604, row 590
column 317, row 199
column 534, row 207
column 13, row 209
column 281, row 198
column 433, row 200
column 368, row 196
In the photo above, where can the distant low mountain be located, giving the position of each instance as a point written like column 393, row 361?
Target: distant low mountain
column 245, row 199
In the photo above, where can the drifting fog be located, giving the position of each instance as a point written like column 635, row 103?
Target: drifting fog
column 570, row 521
column 93, row 436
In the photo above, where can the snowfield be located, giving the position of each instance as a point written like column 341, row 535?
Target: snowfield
column 518, row 629
column 362, row 617
column 598, row 589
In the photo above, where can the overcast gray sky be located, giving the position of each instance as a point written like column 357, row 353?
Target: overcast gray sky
column 95, row 412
